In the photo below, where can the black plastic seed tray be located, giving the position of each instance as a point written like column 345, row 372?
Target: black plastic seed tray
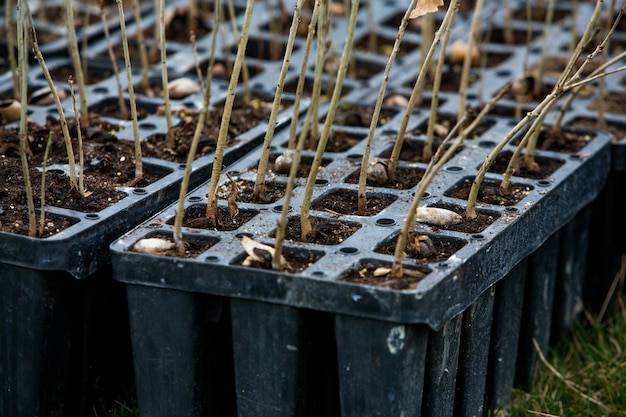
column 444, row 322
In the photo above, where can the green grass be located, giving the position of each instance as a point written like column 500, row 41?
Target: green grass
column 584, row 375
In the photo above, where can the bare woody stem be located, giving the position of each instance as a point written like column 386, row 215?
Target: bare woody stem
column 302, row 78
column 544, row 44
column 57, row 101
column 283, row 220
column 259, row 184
column 120, row 92
column 467, row 61
column 141, row 45
column 228, row 107
column 362, row 195
column 131, row 94
column 184, row 186
column 170, row 139
column 42, row 193
column 245, row 73
column 8, row 29
column 433, row 167
column 75, row 57
column 22, row 36
column 305, row 222
column 427, row 152
column 79, row 135
column 415, row 94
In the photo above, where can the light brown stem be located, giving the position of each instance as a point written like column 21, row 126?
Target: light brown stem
column 305, row 222
column 131, row 94
column 362, row 194
column 8, row 29
column 416, row 92
column 170, row 139
column 472, row 43
column 141, row 45
column 42, row 193
column 538, row 76
column 79, row 136
column 184, row 186
column 259, row 185
column 120, row 92
column 228, row 107
column 75, row 57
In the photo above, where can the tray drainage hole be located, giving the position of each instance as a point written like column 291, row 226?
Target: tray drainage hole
column 318, row 273
column 478, row 237
column 279, row 209
column 148, row 126
column 101, row 90
column 442, row 265
column 534, row 50
column 543, row 183
column 454, row 168
column 389, row 132
column 321, row 181
column 385, row 222
column 194, row 199
column 241, row 235
column 182, row 166
column 140, row 191
column 504, row 73
column 424, row 196
column 92, row 216
column 472, row 97
column 486, row 144
column 234, row 173
column 354, row 157
column 512, row 209
column 212, row 258
column 349, row 250
column 575, row 156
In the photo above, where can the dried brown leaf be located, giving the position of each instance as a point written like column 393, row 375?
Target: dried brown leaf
column 424, row 7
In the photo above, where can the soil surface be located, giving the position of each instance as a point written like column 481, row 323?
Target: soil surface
column 345, row 202
column 369, row 274
column 490, row 192
column 324, row 232
column 109, row 163
column 545, row 166
column 481, row 222
column 429, row 249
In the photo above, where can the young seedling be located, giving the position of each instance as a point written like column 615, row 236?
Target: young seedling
column 362, row 195
column 131, row 94
column 141, row 46
column 441, row 157
column 305, row 222
column 42, row 193
column 427, row 151
column 472, row 42
column 8, row 30
column 245, row 73
column 564, row 84
column 120, row 92
column 57, row 101
column 277, row 259
column 259, row 184
column 180, row 211
column 211, row 212
column 601, row 124
column 22, row 36
column 81, row 160
column 372, row 39
column 76, row 63
column 420, row 10
column 302, row 78
column 539, row 71
column 171, row 140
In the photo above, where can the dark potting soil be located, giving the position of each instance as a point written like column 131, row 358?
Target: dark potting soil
column 445, row 122
column 349, row 114
column 192, row 247
column 544, row 168
column 346, row 202
column 324, row 232
column 617, row 130
column 613, row 103
column 195, row 217
column 490, row 192
column 562, row 140
column 423, row 248
column 243, row 118
column 413, row 150
column 109, row 163
column 405, row 178
column 297, row 259
column 273, row 191
column 369, row 275
column 304, row 167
